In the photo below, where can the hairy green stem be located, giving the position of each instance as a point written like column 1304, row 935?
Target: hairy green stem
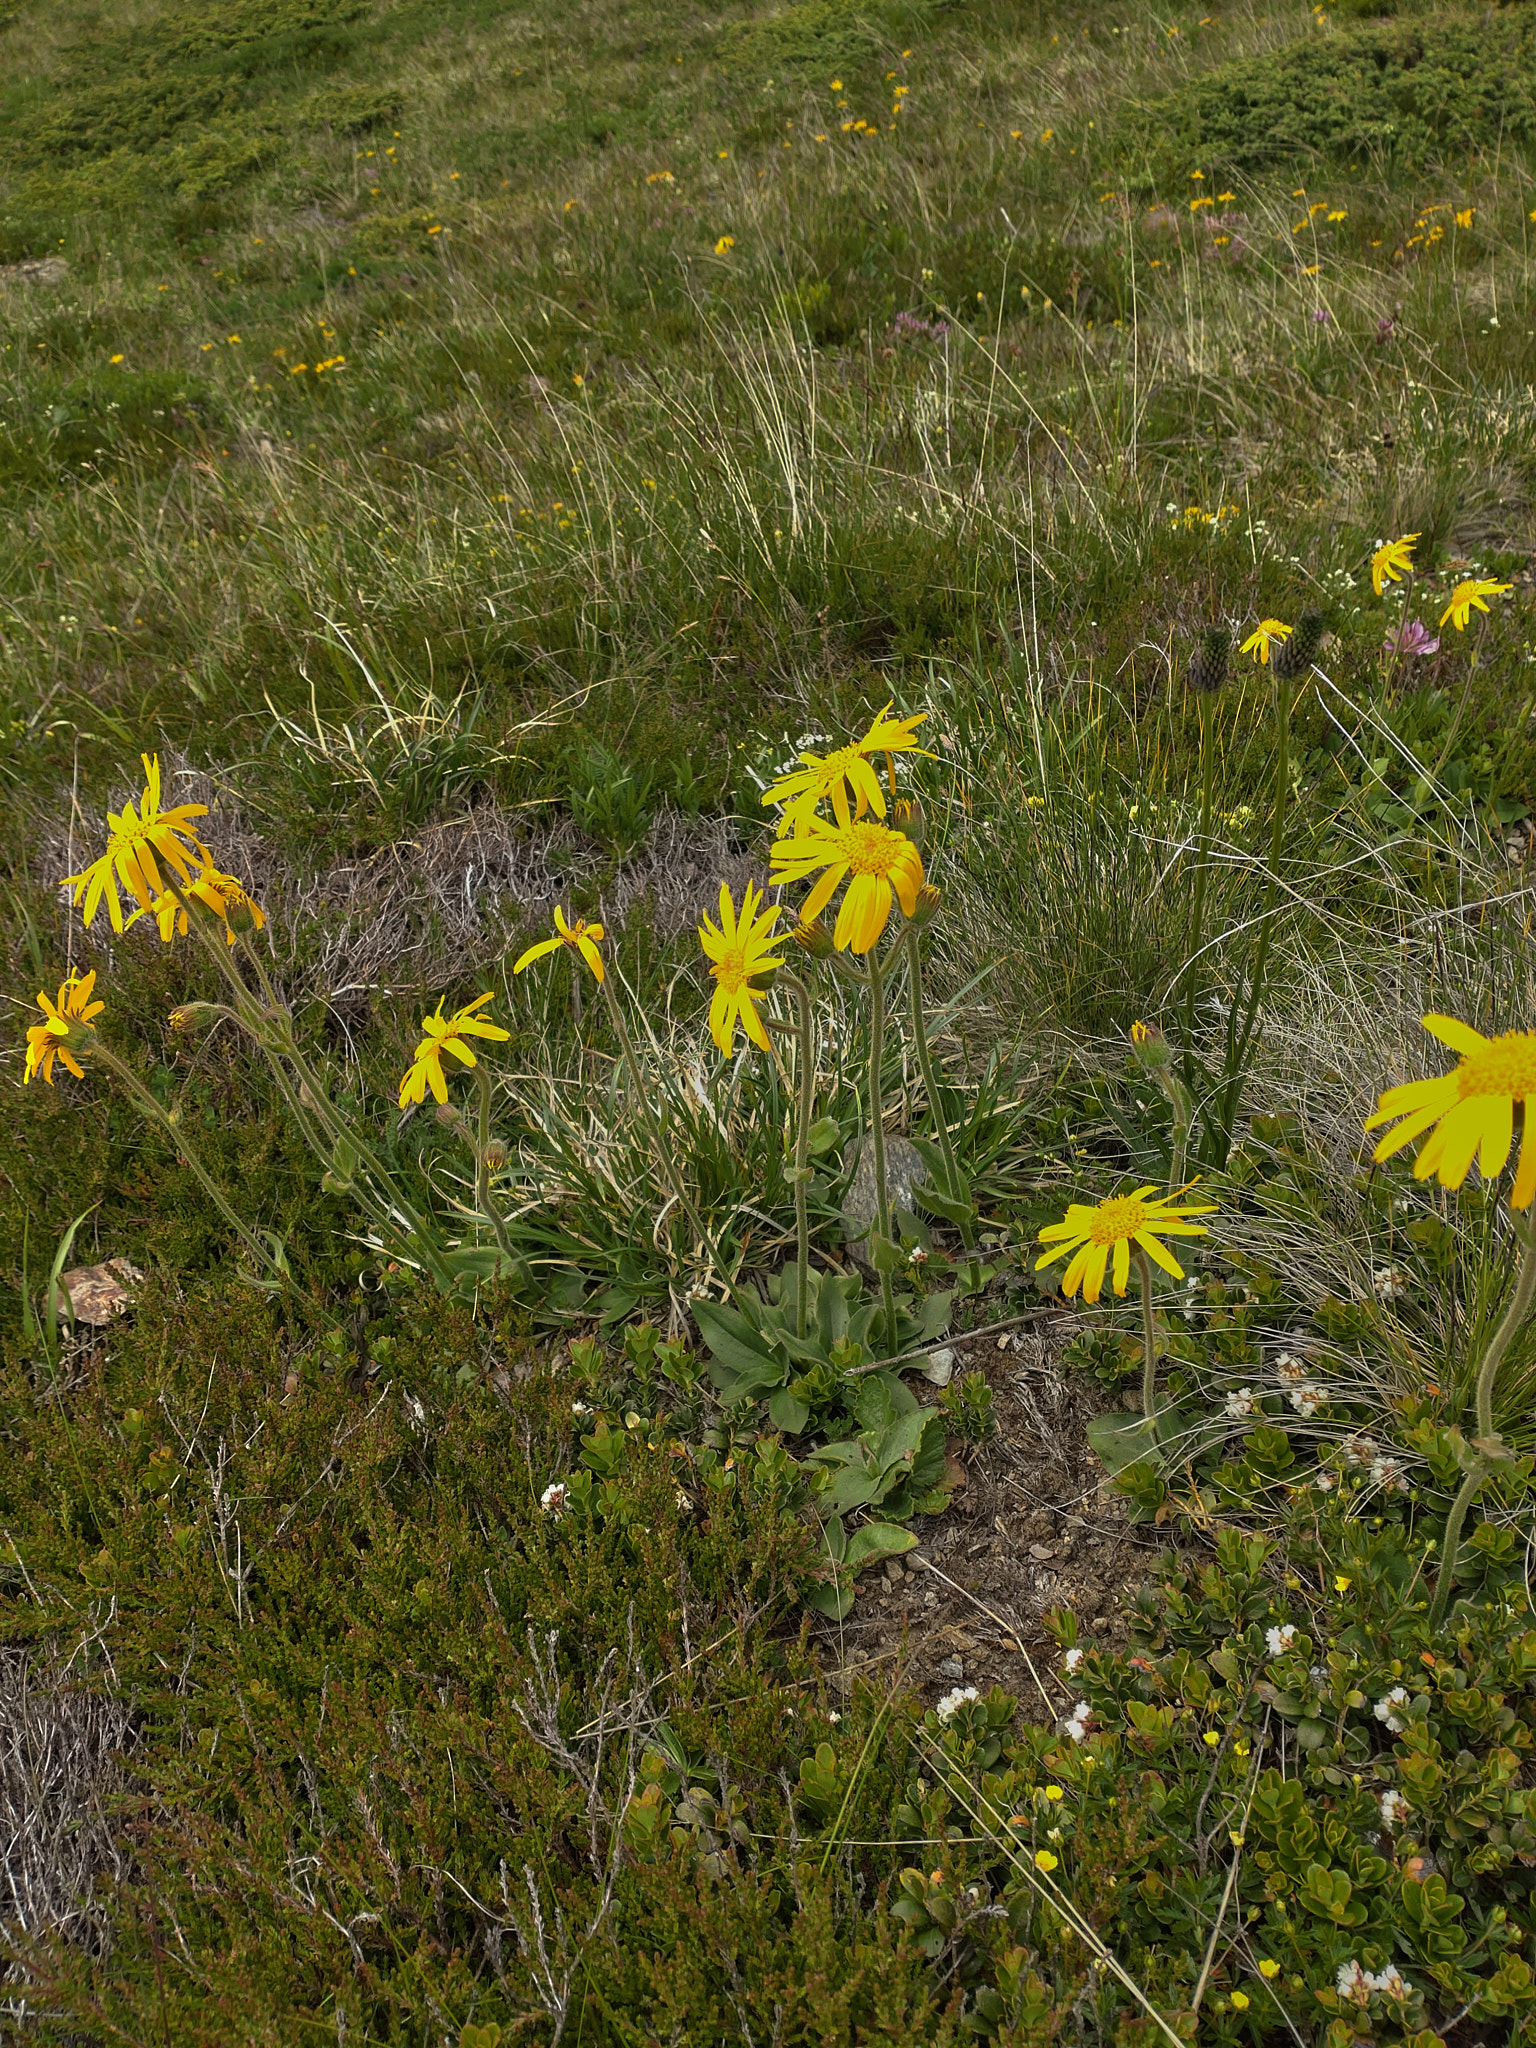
column 877, row 1134
column 483, row 1200
column 135, row 1089
column 1197, row 909
column 930, row 1081
column 807, row 1106
column 1519, row 1308
column 1148, row 1342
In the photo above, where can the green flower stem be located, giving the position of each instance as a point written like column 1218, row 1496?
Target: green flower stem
column 664, row 1161
column 1239, row 1039
column 807, row 1107
column 1197, row 910
column 308, row 1102
column 877, row 1133
column 930, row 1080
column 1148, row 1342
column 483, row 1201
column 133, row 1087
column 1519, row 1308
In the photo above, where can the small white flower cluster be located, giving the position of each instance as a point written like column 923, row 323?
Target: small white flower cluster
column 1290, row 1368
column 1393, row 1807
column 1325, row 1482
column 1357, row 1985
column 1360, row 1450
column 1307, row 1398
column 1077, row 1722
column 1073, row 1658
column 1280, row 1639
column 556, row 1498
column 1384, row 1709
column 1242, row 1402
column 1389, row 1284
column 580, row 1408
column 952, row 1702
column 1388, row 1475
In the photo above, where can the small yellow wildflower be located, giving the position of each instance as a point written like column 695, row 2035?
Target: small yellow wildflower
column 1464, row 217
column 1267, row 634
column 876, row 862
column 742, row 953
column 1045, row 1861
column 725, row 244
column 220, row 893
column 1392, row 561
column 445, row 1035
column 1472, row 1109
column 1268, row 1967
column 1466, row 595
column 830, row 777
column 1240, row 2001
column 1054, row 1792
column 137, row 840
column 581, row 938
column 65, row 1030
column 1091, row 1232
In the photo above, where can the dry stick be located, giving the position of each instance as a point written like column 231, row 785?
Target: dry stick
column 1226, row 1897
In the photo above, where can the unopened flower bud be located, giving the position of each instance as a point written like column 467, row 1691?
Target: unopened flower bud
column 1149, row 1048
column 447, row 1115
column 191, row 1016
column 495, row 1155
column 1297, row 655
column 909, row 818
column 1209, row 661
column 240, row 913
column 926, row 906
column 814, row 939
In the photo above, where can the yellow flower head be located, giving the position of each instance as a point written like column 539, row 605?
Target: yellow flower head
column 1268, row 633
column 1466, row 595
column 1392, row 561
column 66, row 1029
column 444, row 1035
column 875, row 861
column 742, row 953
column 137, row 840
column 820, row 778
column 1045, row 1861
column 220, row 893
column 581, row 937
column 1091, row 1232
column 1472, row 1110
column 1268, row 1967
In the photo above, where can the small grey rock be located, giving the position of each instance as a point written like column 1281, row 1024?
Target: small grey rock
column 904, row 1171
column 939, row 1366
column 951, row 1667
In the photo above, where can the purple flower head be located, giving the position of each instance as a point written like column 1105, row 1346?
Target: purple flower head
column 1412, row 637
column 1386, row 327
column 1321, row 315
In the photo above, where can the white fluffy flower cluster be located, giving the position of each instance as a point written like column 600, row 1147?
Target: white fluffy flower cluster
column 1393, row 1807
column 1241, row 1403
column 1386, row 1707
column 1388, row 1475
column 1389, row 1284
column 1280, row 1639
column 1077, row 1722
column 952, row 1702
column 1357, row 1985
column 1308, row 1397
column 556, row 1498
column 1360, row 1450
column 1073, row 1658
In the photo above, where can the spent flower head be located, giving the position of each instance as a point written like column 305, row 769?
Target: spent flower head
column 581, row 937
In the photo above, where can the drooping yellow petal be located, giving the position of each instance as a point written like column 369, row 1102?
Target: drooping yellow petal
column 1452, row 1032
column 1122, row 1263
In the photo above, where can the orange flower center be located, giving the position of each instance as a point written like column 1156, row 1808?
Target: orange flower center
column 732, row 971
column 871, row 849
column 1504, row 1066
column 1118, row 1219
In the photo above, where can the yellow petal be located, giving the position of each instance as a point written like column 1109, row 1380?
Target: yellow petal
column 1498, row 1136
column 1096, row 1258
column 1159, row 1253
column 1524, row 1190
column 1072, row 1279
column 1122, row 1264
column 536, row 953
column 1409, row 1129
column 1452, row 1032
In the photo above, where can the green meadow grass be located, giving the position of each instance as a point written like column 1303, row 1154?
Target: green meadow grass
column 481, row 444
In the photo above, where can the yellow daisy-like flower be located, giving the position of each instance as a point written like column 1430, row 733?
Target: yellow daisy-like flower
column 581, row 938
column 1472, row 1109
column 1092, row 1231
column 830, row 777
column 1392, row 561
column 220, row 893
column 444, row 1035
column 1470, row 593
column 742, row 952
column 877, row 862
column 138, row 839
column 1267, row 634
column 65, row 1031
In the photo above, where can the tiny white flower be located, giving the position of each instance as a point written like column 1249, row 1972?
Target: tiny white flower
column 1389, row 1283
column 683, row 1502
column 1241, row 1403
column 833, row 1718
column 1393, row 1807
column 1280, row 1639
column 1076, row 1723
column 1290, row 1367
column 1383, row 1709
column 580, row 1408
column 555, row 1499
column 1308, row 1397
column 1360, row 1450
column 1388, row 1475
column 952, row 1702
column 1390, row 1982
column 1325, row 1482
column 1353, row 1983
column 1072, row 1659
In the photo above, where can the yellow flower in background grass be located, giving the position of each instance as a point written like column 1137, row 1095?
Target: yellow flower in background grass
column 876, row 862
column 741, row 950
column 1092, row 1231
column 1472, row 1110
column 64, row 1030
column 830, row 777
column 138, row 840
column 1392, row 561
column 581, row 937
column 220, row 893
column 1470, row 593
column 445, row 1035
column 1267, row 634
